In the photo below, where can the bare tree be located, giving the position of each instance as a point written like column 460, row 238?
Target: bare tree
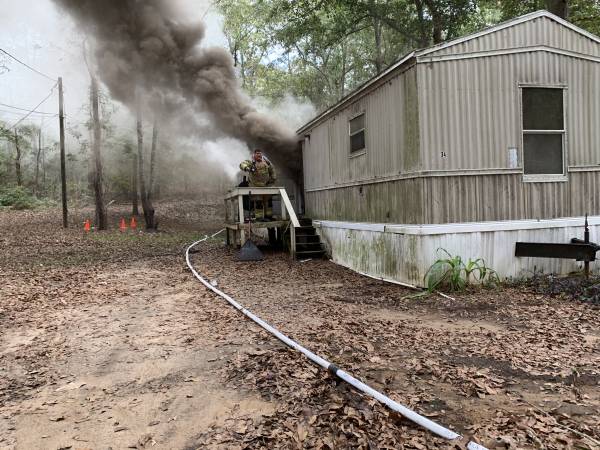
column 135, row 210
column 153, row 160
column 18, row 160
column 36, row 186
column 147, row 207
column 101, row 216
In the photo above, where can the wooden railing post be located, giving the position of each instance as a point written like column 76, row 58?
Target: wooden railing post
column 287, row 205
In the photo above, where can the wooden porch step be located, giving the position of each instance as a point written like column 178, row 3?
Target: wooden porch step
column 310, row 254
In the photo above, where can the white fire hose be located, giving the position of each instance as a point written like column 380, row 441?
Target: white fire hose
column 331, row 368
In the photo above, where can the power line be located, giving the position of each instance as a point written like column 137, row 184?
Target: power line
column 25, row 109
column 15, row 113
column 31, row 112
column 26, row 65
column 19, row 114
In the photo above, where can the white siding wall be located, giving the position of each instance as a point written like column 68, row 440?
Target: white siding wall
column 406, row 257
column 391, row 137
column 470, row 108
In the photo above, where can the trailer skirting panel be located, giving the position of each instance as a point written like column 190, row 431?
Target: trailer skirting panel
column 404, row 253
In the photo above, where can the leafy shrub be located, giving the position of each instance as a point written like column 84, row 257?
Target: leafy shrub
column 17, row 198
column 453, row 273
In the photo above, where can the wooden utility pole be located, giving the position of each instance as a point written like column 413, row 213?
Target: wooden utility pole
column 63, row 174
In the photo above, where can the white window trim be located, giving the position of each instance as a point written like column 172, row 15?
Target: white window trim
column 358, row 153
column 363, row 150
column 544, row 178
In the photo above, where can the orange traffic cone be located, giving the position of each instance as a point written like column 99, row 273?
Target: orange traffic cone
column 123, row 225
column 87, row 226
column 133, row 224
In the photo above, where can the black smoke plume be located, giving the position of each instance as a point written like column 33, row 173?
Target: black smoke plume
column 141, row 46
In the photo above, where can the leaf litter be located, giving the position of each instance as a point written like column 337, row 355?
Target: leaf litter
column 516, row 367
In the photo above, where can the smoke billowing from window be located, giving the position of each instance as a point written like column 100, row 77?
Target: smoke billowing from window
column 145, row 47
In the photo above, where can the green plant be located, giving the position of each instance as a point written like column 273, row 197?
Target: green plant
column 453, row 273
column 17, row 198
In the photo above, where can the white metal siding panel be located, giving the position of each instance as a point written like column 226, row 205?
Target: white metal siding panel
column 400, row 201
column 540, row 31
column 457, row 199
column 470, row 108
column 391, row 137
column 406, row 258
column 316, row 158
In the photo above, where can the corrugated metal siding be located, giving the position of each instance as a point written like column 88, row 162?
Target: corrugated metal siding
column 470, row 108
column 455, row 199
column 540, row 31
column 585, row 193
column 315, row 157
column 400, row 201
column 460, row 115
column 496, row 197
column 391, row 137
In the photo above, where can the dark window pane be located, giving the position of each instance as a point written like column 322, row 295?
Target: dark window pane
column 543, row 153
column 357, row 142
column 357, row 124
column 543, row 109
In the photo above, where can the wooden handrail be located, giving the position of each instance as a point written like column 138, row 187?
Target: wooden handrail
column 290, row 209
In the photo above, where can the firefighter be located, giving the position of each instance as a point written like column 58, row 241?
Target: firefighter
column 261, row 173
column 260, row 170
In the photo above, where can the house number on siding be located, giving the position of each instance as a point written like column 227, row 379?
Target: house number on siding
column 443, row 154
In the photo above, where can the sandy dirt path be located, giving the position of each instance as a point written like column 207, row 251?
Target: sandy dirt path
column 133, row 369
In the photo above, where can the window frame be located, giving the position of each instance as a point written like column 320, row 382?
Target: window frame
column 363, row 150
column 545, row 178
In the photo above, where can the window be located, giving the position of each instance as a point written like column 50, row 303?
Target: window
column 357, row 133
column 543, row 133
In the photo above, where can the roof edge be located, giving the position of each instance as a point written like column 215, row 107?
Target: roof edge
column 510, row 23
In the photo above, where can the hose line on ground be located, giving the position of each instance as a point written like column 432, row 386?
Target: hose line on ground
column 332, row 368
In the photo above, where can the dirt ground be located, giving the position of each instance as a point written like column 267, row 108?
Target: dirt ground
column 107, row 341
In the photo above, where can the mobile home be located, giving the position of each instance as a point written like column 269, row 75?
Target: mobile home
column 470, row 145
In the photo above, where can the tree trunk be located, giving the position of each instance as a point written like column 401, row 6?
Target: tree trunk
column 18, row 160
column 135, row 210
column 436, row 21
column 342, row 89
column 90, row 159
column 437, row 28
column 101, row 218
column 44, row 172
column 378, row 44
column 147, row 207
column 36, row 186
column 423, row 35
column 153, row 161
column 242, row 69
column 558, row 7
